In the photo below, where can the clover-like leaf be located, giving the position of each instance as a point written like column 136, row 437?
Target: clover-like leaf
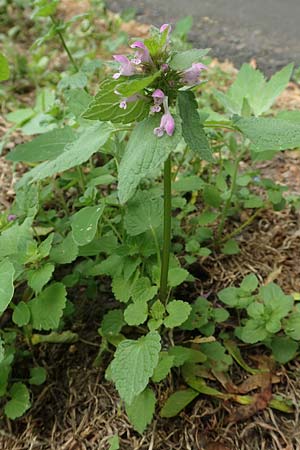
column 19, row 401
column 178, row 311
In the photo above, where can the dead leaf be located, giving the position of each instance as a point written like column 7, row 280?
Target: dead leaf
column 256, row 381
column 260, row 402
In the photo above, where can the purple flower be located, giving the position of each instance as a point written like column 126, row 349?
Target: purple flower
column 191, row 76
column 126, row 69
column 124, row 101
column 158, row 97
column 164, row 27
column 11, row 217
column 164, row 67
column 142, row 54
column 167, row 123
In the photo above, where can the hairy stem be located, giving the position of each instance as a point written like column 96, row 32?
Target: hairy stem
column 228, row 201
column 166, row 233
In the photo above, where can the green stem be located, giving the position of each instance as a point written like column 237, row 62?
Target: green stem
column 154, row 234
column 64, row 44
column 166, row 233
column 81, row 179
column 228, row 202
column 242, row 226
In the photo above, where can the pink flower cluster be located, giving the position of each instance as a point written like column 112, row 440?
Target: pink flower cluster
column 141, row 61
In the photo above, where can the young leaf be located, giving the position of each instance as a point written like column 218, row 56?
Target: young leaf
column 113, row 442
column 38, row 278
column 112, row 323
column 284, row 349
column 231, row 247
column 184, row 354
column 176, row 276
column 143, row 291
column 292, row 326
column 177, row 402
column 4, row 68
column 7, row 273
column 144, row 154
column 269, row 134
column 65, row 252
column 88, row 142
column 192, row 128
column 19, row 402
column 132, row 86
column 133, row 365
column 140, row 411
column 178, row 311
column 45, row 147
column 136, row 313
column 184, row 60
column 163, row 367
column 144, row 212
column 38, row 376
column 106, row 105
column 47, row 308
column 85, row 222
column 21, row 314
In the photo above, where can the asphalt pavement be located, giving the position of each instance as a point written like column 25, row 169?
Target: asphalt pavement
column 238, row 30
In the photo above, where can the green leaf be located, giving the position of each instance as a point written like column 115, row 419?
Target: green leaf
column 106, row 105
column 38, row 376
column 85, row 222
column 112, row 323
column 217, row 359
column 185, row 354
column 212, row 196
column 183, row 26
column 273, row 89
column 65, row 252
column 44, row 8
column 77, row 100
column 38, row 278
column 19, row 402
column 4, row 68
column 132, row 86
column 249, row 283
column 7, row 273
column 192, row 128
column 188, row 183
column 144, row 212
column 176, row 276
column 178, row 311
column 231, row 247
column 113, row 442
column 45, row 147
column 136, row 313
column 276, row 301
column 177, row 402
column 142, row 290
column 78, row 80
column 254, row 331
column 163, row 367
column 21, row 314
column 292, row 326
column 144, row 154
column 89, row 141
column 284, row 349
column 133, row 365
column 47, row 308
column 269, row 134
column 141, row 410
column 184, row 60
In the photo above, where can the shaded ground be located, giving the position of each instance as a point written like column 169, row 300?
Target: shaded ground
column 238, row 30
